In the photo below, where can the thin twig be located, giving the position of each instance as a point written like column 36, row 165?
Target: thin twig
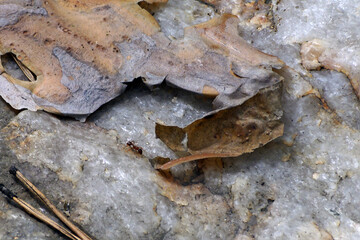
column 190, row 158
column 13, row 170
column 32, row 211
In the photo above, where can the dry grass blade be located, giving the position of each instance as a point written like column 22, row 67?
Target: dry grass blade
column 24, row 69
column 32, row 211
column 46, row 201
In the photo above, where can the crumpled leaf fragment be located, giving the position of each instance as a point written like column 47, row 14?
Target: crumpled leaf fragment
column 227, row 133
column 214, row 60
column 86, row 31
column 82, row 53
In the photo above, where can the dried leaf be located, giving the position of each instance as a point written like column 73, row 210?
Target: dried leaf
column 81, row 53
column 230, row 132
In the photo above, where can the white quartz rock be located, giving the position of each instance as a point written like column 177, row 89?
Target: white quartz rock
column 102, row 179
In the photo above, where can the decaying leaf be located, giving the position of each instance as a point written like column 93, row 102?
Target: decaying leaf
column 48, row 45
column 230, row 132
column 82, row 52
column 77, row 55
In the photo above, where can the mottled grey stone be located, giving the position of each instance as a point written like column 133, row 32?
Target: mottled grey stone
column 291, row 185
column 134, row 114
column 177, row 15
column 85, row 166
column 113, row 192
column 336, row 90
column 6, row 113
column 301, row 186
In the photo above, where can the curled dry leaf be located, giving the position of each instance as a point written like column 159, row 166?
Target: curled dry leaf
column 48, row 44
column 82, row 52
column 77, row 55
column 227, row 133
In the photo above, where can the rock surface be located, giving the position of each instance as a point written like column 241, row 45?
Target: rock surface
column 101, row 180
column 303, row 185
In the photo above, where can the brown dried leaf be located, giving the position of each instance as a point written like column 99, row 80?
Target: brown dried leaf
column 86, row 30
column 83, row 51
column 230, row 132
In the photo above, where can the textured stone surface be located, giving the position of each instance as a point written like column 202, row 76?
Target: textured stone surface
column 6, row 113
column 134, row 115
column 303, row 185
column 98, row 177
column 293, row 185
column 297, row 24
column 318, row 54
column 256, row 121
column 101, row 180
column 177, row 15
column 287, row 188
column 257, row 14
